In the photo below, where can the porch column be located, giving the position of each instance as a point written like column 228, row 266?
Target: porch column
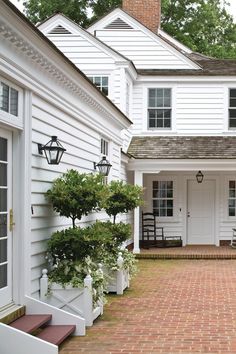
column 138, row 180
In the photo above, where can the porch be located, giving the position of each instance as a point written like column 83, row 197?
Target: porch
column 188, row 252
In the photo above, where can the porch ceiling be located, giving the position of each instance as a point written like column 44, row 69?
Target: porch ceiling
column 183, row 147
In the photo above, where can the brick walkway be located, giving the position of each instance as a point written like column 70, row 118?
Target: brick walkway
column 173, row 306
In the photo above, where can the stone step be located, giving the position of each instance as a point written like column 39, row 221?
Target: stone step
column 56, row 334
column 30, row 323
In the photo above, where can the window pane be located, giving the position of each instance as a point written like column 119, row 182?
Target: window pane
column 167, row 123
column 97, row 80
column 232, row 113
column 155, row 184
column 3, row 226
column 14, row 102
column 3, row 200
column 232, row 123
column 232, row 193
column 4, row 97
column 232, row 184
column 3, row 251
column 232, row 92
column 231, row 211
column 105, row 90
column 3, row 276
column 3, row 174
column 232, row 203
column 104, row 81
column 233, row 102
column 3, row 149
column 169, row 212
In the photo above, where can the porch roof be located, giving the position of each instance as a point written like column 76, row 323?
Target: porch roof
column 183, row 147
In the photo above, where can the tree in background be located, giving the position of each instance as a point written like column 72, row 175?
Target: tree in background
column 76, row 10
column 203, row 25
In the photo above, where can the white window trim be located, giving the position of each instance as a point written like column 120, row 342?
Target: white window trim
column 164, row 219
column 228, row 108
column 8, row 118
column 159, row 131
column 226, row 198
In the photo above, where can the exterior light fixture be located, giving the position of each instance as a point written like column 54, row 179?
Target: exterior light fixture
column 199, row 177
column 103, row 166
column 53, row 151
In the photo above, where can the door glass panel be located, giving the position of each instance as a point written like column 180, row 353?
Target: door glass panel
column 3, row 251
column 3, row 175
column 3, row 200
column 3, row 226
column 3, row 149
column 3, row 276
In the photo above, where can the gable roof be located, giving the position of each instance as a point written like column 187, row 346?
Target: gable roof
column 59, row 19
column 183, row 147
column 103, row 22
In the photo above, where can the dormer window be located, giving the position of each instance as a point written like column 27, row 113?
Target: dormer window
column 159, row 108
column 101, row 82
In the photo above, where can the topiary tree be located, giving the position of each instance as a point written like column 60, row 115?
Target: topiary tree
column 121, row 198
column 76, row 194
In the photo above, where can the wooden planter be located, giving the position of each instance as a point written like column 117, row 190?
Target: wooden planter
column 119, row 279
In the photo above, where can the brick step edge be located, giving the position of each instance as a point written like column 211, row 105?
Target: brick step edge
column 185, row 256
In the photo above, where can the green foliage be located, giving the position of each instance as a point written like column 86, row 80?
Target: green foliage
column 73, row 253
column 202, row 25
column 102, row 7
column 121, row 198
column 38, row 11
column 76, row 194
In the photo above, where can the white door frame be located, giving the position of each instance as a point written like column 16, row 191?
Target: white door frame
column 6, row 293
column 185, row 204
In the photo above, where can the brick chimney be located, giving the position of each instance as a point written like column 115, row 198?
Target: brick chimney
column 147, row 12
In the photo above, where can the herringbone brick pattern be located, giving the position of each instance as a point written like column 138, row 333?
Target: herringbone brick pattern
column 173, row 306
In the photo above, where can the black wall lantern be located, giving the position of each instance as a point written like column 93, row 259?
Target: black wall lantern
column 103, row 166
column 199, row 177
column 53, row 151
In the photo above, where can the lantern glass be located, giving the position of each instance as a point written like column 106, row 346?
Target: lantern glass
column 53, row 151
column 104, row 166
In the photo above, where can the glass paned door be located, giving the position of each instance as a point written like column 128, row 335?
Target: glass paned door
column 5, row 206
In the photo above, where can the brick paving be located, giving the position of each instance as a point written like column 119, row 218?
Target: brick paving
column 173, row 306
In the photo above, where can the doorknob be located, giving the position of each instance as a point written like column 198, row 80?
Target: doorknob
column 188, row 214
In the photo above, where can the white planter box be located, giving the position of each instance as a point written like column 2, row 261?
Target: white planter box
column 118, row 281
column 78, row 301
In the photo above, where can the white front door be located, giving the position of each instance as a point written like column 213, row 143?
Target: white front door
column 201, row 212
column 5, row 207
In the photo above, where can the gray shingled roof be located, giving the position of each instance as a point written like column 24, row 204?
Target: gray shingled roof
column 184, row 147
column 210, row 67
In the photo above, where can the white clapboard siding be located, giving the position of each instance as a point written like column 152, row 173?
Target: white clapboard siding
column 199, row 108
column 83, row 148
column 196, row 108
column 82, row 53
column 145, row 52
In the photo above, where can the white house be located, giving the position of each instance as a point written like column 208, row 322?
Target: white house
column 42, row 94
column 183, row 108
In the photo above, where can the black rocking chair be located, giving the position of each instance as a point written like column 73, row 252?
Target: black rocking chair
column 151, row 234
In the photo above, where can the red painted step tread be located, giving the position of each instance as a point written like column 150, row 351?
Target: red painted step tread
column 29, row 323
column 56, row 334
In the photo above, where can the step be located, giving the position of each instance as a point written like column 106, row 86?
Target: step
column 29, row 323
column 56, row 334
column 12, row 314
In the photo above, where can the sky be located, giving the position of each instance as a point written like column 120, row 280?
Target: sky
column 232, row 7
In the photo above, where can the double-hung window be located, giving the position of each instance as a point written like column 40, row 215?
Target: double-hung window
column 163, row 198
column 232, row 198
column 232, row 108
column 159, row 108
column 104, row 147
column 101, row 82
